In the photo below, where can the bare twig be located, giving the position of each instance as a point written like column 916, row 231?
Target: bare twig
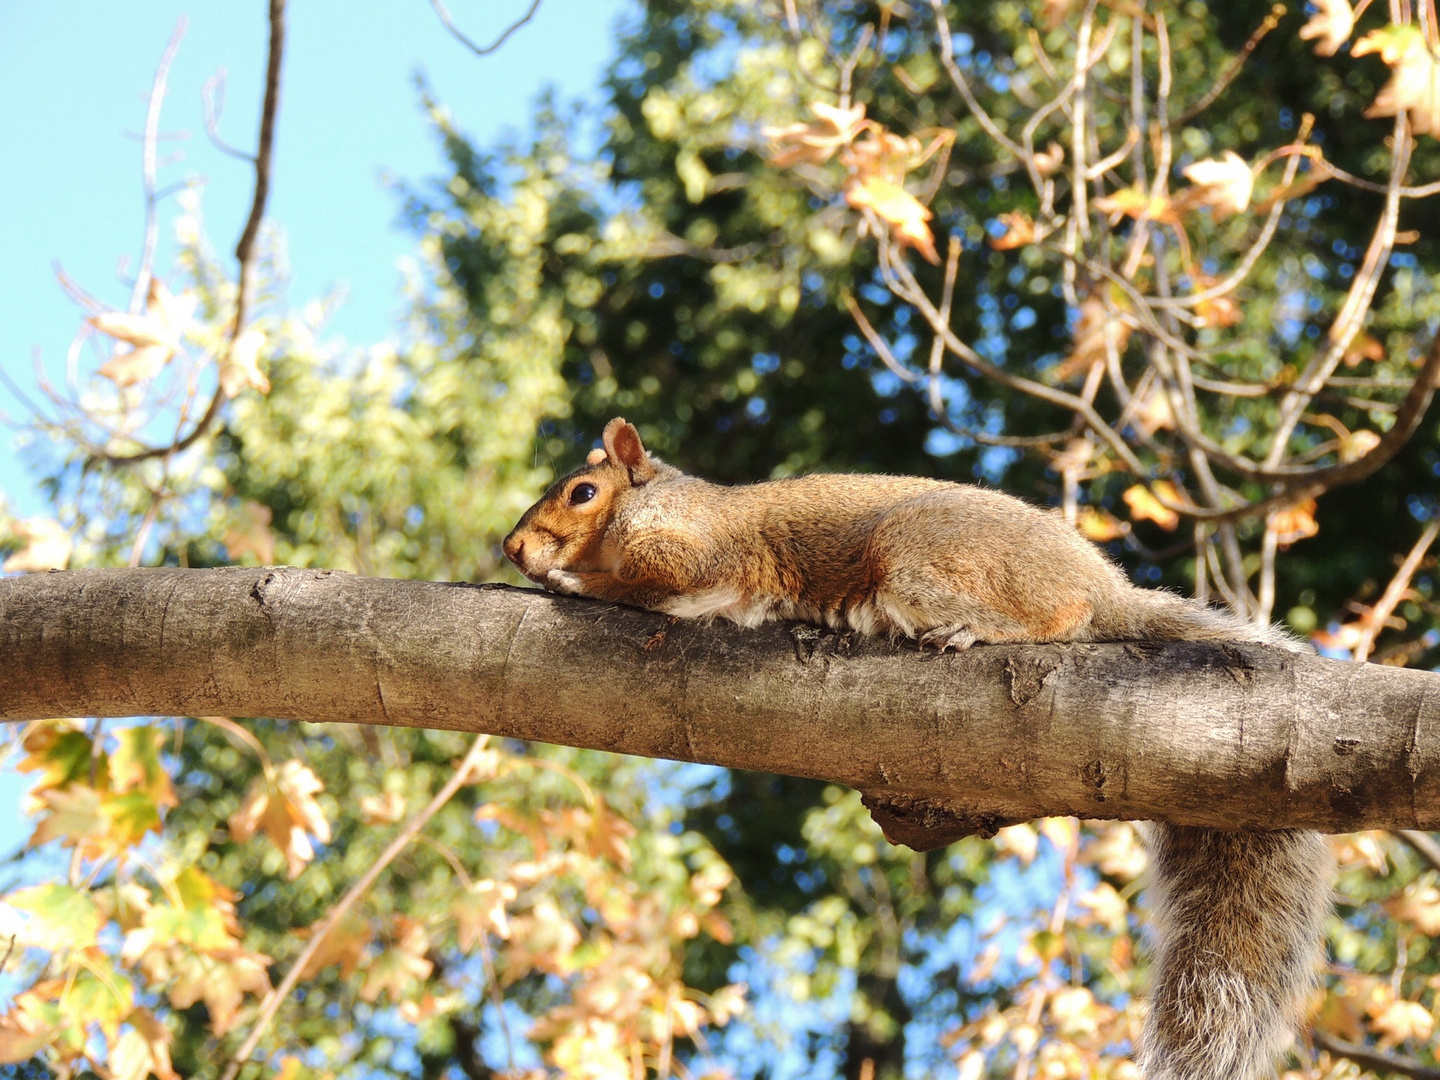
column 1375, row 620
column 277, row 997
column 482, row 50
column 1232, row 69
column 1376, row 1060
column 148, row 166
column 1423, row 844
column 245, row 249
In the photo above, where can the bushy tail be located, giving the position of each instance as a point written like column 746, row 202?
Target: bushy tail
column 1134, row 614
column 1237, row 918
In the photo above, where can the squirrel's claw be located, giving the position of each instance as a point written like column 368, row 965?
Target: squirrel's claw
column 564, row 583
column 947, row 637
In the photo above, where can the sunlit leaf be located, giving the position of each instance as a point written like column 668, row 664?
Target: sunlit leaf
column 61, row 917
column 1329, row 26
column 283, row 806
column 344, row 944
column 1145, row 506
column 1414, row 86
column 1224, row 184
column 900, row 210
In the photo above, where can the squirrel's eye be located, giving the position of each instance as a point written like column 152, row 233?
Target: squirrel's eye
column 581, row 493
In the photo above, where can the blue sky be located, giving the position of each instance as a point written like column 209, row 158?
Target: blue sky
column 74, row 75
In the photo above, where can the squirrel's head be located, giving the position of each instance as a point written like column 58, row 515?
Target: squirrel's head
column 565, row 529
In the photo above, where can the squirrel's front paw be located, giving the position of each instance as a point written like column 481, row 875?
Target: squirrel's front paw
column 564, row 583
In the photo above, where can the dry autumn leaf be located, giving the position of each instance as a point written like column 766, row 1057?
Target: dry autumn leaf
column 1099, row 525
column 1402, row 1021
column 283, row 805
column 400, row 966
column 1145, row 506
column 904, row 213
column 152, row 339
column 1019, row 231
column 1362, row 347
column 1357, row 444
column 1049, row 160
column 1137, row 203
column 240, row 365
column 815, row 143
column 1225, row 184
column 1098, row 329
column 343, row 944
column 1293, row 523
column 1329, row 27
column 45, row 545
column 480, row 910
column 1414, row 86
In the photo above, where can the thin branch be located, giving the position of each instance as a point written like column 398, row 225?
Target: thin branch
column 1375, row 1060
column 277, row 997
column 148, row 166
column 1233, row 69
column 212, row 100
column 245, row 249
column 1423, row 844
column 1375, row 620
column 482, row 50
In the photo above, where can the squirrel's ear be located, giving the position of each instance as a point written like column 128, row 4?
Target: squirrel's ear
column 595, row 457
column 624, row 448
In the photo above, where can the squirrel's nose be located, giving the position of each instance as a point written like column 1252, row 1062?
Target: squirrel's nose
column 514, row 548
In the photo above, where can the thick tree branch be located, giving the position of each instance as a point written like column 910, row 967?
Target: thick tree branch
column 943, row 745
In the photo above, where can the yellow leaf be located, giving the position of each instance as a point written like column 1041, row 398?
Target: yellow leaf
column 1402, row 1021
column 1022, row 841
column 1144, row 506
column 45, row 545
column 904, row 213
column 154, row 337
column 400, row 966
column 1418, row 905
column 61, row 917
column 143, row 1050
column 221, row 982
column 1099, row 525
column 1356, row 445
column 1414, row 85
column 1363, row 347
column 1107, row 907
column 1137, row 203
column 135, row 764
column 1330, row 26
column 1224, row 185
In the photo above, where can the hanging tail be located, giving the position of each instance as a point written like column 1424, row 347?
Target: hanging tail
column 1237, row 918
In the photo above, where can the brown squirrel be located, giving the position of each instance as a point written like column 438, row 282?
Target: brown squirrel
column 1237, row 916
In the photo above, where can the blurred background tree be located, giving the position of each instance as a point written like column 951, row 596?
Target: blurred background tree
column 698, row 271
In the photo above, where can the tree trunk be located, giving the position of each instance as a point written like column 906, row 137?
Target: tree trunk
column 1225, row 735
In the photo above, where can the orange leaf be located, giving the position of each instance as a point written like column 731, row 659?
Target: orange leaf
column 815, row 143
column 1135, row 203
column 1293, row 523
column 1363, row 347
column 1019, row 231
column 343, row 945
column 480, row 910
column 283, row 805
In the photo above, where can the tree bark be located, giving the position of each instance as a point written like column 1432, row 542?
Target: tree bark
column 1223, row 735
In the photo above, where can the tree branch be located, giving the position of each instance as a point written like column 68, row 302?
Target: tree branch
column 1225, row 735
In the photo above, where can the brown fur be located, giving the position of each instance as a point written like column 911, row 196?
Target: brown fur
column 1236, row 915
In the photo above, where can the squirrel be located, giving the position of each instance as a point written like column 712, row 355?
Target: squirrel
column 1236, row 916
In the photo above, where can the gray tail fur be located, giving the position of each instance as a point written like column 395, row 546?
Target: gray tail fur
column 1237, row 918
